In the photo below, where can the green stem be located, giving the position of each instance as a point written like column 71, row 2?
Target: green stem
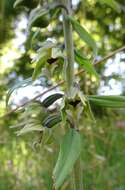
column 69, row 47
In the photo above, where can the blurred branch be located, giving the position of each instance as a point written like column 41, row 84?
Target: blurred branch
column 110, row 55
column 62, row 82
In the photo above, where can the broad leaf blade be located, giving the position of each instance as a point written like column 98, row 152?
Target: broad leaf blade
column 86, row 64
column 70, row 149
column 84, row 35
column 112, row 3
column 107, row 101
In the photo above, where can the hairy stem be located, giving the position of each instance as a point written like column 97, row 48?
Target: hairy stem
column 68, row 39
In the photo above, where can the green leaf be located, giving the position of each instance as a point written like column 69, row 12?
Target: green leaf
column 70, row 149
column 84, row 35
column 39, row 65
column 29, row 128
column 16, row 86
column 107, row 101
column 42, row 55
column 17, row 3
column 25, row 3
column 38, row 17
column 41, row 16
column 56, row 53
column 86, row 105
column 112, row 3
column 87, row 65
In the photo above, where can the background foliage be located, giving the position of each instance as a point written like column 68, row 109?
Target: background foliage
column 22, row 166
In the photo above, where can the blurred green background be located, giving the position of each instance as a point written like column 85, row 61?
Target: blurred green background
column 103, row 157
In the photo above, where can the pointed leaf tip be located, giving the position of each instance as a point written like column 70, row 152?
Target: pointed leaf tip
column 83, row 34
column 70, row 149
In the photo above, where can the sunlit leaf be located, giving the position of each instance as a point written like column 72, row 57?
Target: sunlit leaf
column 70, row 149
column 87, row 65
column 107, row 101
column 84, row 35
column 42, row 55
column 112, row 3
column 56, row 52
column 39, row 65
column 82, row 98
